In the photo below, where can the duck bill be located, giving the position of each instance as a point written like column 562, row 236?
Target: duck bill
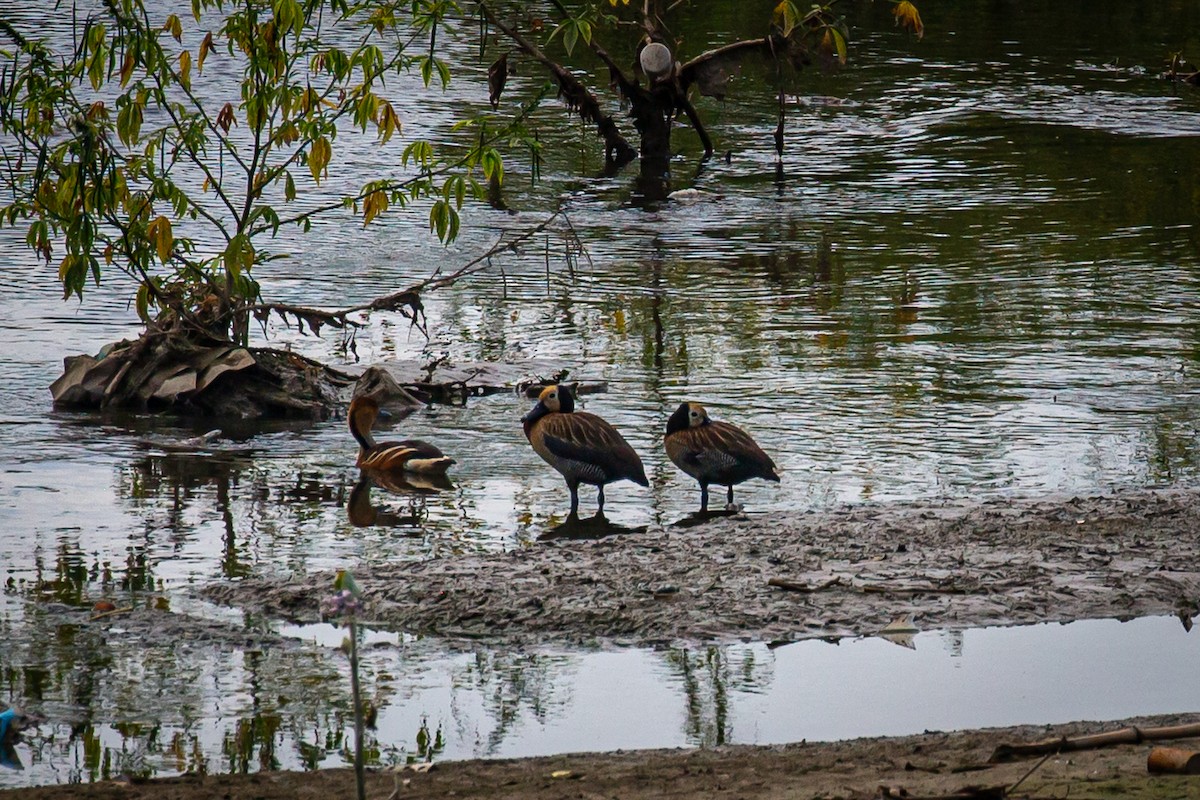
column 535, row 413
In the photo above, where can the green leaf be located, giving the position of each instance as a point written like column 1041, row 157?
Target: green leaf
column 570, row 35
column 143, row 303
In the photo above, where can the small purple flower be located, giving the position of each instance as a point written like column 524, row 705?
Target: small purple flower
column 342, row 604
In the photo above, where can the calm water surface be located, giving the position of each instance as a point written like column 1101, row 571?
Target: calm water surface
column 975, row 275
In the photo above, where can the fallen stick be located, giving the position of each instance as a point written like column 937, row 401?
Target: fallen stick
column 1064, row 744
column 803, row 588
column 111, row 612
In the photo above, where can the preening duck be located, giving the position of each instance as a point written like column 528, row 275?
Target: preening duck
column 714, row 452
column 410, row 455
column 581, row 446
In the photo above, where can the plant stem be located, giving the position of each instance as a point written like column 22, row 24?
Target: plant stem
column 359, row 766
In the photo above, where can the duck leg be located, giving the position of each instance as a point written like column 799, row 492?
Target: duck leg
column 574, row 487
column 729, row 496
column 703, row 497
column 600, row 499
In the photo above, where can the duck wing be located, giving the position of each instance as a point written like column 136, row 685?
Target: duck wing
column 588, row 439
column 721, row 451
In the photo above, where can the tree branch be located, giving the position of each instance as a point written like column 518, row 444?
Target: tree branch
column 577, row 96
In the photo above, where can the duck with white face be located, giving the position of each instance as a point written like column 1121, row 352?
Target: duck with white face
column 581, row 446
column 714, row 452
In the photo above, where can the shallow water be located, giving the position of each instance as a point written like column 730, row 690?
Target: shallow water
column 243, row 712
column 976, row 276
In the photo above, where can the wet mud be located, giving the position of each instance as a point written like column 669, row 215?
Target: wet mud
column 844, row 572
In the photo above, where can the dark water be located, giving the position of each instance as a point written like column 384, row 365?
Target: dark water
column 975, row 275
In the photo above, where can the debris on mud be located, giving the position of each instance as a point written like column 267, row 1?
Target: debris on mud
column 848, row 571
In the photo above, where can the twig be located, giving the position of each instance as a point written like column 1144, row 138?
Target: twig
column 1032, row 770
column 103, row 614
column 875, row 588
column 803, row 588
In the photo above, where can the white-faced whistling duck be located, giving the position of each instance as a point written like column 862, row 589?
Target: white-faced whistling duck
column 714, row 452
column 581, row 446
column 410, row 455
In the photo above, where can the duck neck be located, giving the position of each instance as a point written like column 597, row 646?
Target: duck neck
column 530, row 419
column 360, row 429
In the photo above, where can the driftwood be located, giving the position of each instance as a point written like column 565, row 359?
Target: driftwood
column 1173, row 761
column 803, row 588
column 164, row 371
column 1130, row 735
column 401, row 384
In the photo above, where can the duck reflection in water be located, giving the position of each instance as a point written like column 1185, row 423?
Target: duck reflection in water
column 363, row 513
column 594, row 527
column 700, row 517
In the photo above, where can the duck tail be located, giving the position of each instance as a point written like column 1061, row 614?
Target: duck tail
column 429, row 466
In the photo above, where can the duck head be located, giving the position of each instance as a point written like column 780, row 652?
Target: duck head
column 688, row 415
column 553, row 399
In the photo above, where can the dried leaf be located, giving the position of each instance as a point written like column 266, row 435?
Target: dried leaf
column 497, row 76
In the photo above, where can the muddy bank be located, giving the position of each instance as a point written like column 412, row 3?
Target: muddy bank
column 850, row 571
column 928, row 765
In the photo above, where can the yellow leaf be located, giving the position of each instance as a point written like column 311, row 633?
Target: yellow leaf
column 127, row 67
column 319, row 154
column 206, row 47
column 373, row 205
column 388, row 122
column 185, row 69
column 909, row 18
column 160, row 233
column 174, row 26
column 65, row 267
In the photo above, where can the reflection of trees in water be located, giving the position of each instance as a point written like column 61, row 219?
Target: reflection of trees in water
column 126, row 704
column 511, row 687
column 1174, row 448
column 76, row 579
column 707, row 676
